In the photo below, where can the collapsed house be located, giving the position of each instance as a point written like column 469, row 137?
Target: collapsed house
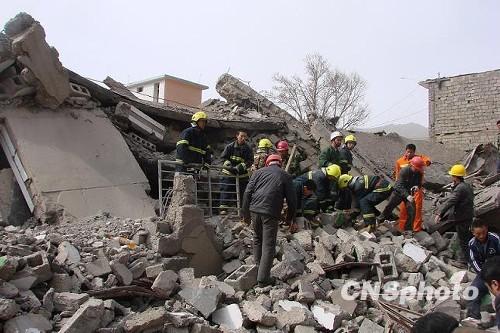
column 83, row 158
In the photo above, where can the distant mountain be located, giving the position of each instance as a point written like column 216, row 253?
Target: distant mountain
column 410, row 130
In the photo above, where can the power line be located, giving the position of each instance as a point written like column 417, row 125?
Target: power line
column 397, row 103
column 402, row 117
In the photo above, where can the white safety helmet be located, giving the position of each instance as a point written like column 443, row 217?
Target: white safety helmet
column 335, row 134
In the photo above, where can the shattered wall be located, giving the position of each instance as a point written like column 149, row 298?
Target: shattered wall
column 464, row 109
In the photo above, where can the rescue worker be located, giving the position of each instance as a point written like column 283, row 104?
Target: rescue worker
column 346, row 154
column 262, row 204
column 459, row 207
column 367, row 192
column 283, row 149
column 419, row 194
column 326, row 186
column 193, row 146
column 238, row 159
column 408, row 182
column 307, row 203
column 331, row 155
column 482, row 246
column 264, row 149
column 345, row 200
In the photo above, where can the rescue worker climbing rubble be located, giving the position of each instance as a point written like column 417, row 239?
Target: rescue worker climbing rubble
column 283, row 149
column 331, row 155
column 407, row 184
column 238, row 159
column 326, row 185
column 346, row 154
column 193, row 148
column 367, row 192
column 458, row 209
column 345, row 164
column 403, row 161
column 262, row 204
column 264, row 149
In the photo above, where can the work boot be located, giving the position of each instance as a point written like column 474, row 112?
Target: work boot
column 269, row 282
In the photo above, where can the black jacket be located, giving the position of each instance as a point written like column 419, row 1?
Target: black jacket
column 193, row 147
column 237, row 158
column 326, row 189
column 306, row 206
column 266, row 190
column 345, row 160
column 461, row 203
column 406, row 180
column 478, row 252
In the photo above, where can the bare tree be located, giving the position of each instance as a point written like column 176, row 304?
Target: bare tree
column 324, row 93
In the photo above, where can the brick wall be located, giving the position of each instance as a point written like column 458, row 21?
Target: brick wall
column 464, row 109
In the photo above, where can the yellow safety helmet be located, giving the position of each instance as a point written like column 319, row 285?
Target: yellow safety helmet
column 198, row 116
column 333, row 170
column 344, row 180
column 458, row 170
column 350, row 138
column 265, row 143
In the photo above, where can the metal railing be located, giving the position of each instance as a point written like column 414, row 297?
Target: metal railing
column 210, row 184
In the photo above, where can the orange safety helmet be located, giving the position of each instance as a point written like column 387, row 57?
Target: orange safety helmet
column 273, row 159
column 418, row 163
column 282, row 145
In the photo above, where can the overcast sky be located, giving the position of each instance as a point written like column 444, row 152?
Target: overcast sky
column 391, row 44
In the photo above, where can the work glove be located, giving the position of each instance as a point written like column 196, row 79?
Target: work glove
column 410, row 198
column 414, row 189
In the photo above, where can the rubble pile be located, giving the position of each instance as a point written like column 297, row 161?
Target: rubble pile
column 108, row 274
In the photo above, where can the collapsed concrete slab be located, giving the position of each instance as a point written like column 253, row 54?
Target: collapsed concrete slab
column 72, row 158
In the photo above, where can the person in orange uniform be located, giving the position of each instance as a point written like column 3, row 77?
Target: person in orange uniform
column 419, row 194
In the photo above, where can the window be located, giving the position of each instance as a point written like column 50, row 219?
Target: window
column 140, row 89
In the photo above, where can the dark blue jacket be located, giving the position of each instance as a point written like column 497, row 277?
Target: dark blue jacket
column 479, row 252
column 193, row 147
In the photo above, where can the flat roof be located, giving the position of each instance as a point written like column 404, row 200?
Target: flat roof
column 427, row 82
column 164, row 77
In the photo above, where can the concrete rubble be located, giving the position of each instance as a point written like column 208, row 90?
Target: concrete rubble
column 102, row 292
column 83, row 251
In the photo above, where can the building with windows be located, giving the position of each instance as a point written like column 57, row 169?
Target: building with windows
column 168, row 89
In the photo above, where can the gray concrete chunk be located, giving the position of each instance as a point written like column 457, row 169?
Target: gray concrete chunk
column 205, row 300
column 98, row 267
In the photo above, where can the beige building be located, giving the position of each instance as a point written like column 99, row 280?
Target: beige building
column 168, row 89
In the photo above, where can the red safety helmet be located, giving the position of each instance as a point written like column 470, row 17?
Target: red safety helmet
column 282, row 145
column 418, row 163
column 273, row 158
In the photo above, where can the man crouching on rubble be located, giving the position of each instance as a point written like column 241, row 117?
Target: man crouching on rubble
column 262, row 204
column 407, row 184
